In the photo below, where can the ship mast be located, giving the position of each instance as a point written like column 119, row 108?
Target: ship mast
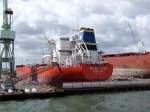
column 7, row 37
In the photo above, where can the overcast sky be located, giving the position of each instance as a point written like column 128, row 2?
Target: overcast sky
column 110, row 19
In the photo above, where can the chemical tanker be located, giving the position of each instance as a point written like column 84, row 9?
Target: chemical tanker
column 72, row 60
column 130, row 64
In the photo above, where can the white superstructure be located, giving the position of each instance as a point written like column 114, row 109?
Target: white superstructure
column 69, row 51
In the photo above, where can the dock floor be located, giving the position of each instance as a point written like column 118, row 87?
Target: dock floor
column 104, row 86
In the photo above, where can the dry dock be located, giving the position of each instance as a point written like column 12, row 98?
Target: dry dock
column 104, row 86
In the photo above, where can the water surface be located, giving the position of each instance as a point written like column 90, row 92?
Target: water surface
column 106, row 102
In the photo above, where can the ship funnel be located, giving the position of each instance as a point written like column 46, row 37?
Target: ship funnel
column 87, row 36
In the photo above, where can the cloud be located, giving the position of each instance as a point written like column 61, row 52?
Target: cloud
column 109, row 18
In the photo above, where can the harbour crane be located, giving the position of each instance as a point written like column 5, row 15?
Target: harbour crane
column 7, row 37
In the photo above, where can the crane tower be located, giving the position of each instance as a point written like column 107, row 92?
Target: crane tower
column 7, row 37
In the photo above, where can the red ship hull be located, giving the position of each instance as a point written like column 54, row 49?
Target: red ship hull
column 77, row 73
column 22, row 70
column 131, row 64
